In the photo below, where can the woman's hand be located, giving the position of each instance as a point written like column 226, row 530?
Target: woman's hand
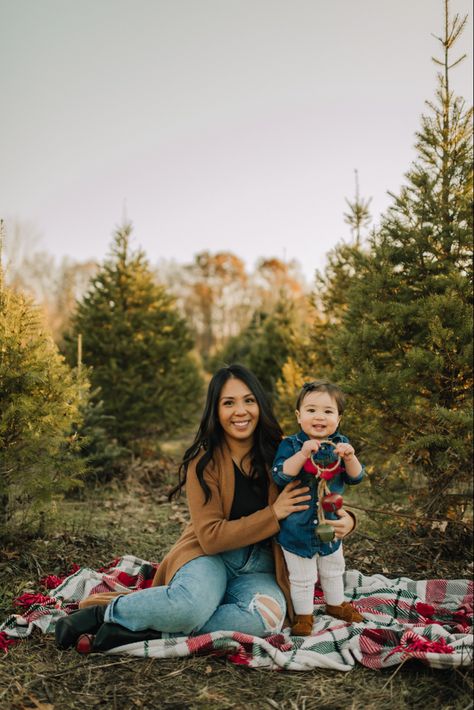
column 291, row 499
column 100, row 599
column 344, row 525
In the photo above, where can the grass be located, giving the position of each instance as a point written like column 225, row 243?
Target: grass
column 134, row 517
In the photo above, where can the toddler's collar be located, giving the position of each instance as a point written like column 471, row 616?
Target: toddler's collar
column 302, row 436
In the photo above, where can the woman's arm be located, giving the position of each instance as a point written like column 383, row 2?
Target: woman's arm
column 218, row 534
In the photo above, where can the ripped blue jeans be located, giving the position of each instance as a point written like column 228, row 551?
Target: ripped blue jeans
column 233, row 591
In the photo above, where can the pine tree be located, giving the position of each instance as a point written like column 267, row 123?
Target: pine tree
column 345, row 265
column 40, row 401
column 105, row 457
column 138, row 349
column 329, row 299
column 266, row 344
column 359, row 215
column 287, row 388
column 404, row 345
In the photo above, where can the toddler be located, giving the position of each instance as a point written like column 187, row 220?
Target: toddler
column 319, row 408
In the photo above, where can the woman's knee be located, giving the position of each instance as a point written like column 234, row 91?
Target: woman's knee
column 191, row 607
column 196, row 591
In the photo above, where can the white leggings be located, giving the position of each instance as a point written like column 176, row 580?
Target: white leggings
column 303, row 574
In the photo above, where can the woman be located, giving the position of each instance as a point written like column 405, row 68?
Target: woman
column 225, row 571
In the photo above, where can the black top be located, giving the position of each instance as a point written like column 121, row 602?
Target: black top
column 250, row 495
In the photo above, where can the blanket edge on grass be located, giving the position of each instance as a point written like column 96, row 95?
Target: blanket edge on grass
column 427, row 620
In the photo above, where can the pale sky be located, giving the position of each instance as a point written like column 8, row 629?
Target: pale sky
column 216, row 124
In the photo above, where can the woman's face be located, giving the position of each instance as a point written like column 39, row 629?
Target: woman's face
column 238, row 411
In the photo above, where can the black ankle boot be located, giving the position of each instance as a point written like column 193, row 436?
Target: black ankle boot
column 113, row 635
column 84, row 621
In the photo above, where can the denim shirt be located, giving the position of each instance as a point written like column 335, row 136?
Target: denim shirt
column 298, row 531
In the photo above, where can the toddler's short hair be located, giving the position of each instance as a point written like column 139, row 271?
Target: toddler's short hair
column 323, row 386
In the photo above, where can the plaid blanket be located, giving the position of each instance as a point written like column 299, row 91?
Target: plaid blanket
column 429, row 620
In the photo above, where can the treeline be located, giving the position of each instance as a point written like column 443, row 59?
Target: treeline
column 216, row 293
column 389, row 319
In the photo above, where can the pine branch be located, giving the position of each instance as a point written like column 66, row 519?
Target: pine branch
column 458, row 61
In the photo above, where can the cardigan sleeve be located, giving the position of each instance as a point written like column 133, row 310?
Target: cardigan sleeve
column 214, row 531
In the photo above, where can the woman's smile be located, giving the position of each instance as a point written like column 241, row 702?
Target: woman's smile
column 241, row 424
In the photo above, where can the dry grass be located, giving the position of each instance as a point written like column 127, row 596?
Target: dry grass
column 136, row 518
column 36, row 674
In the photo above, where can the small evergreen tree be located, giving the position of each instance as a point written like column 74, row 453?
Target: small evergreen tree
column 40, row 402
column 403, row 347
column 287, row 389
column 265, row 345
column 103, row 454
column 138, row 349
column 330, row 302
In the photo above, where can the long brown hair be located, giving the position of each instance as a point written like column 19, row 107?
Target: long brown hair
column 210, row 436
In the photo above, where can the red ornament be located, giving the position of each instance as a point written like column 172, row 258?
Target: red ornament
column 332, row 502
column 309, row 467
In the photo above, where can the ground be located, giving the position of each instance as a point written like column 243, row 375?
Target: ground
column 133, row 516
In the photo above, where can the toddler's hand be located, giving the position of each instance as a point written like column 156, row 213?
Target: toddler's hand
column 345, row 451
column 310, row 447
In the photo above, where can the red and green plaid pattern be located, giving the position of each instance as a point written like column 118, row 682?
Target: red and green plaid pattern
column 429, row 620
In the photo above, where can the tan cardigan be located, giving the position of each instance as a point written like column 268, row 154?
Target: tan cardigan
column 210, row 531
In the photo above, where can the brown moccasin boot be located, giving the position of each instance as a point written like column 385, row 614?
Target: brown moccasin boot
column 344, row 611
column 303, row 625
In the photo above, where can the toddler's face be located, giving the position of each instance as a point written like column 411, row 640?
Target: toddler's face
column 318, row 415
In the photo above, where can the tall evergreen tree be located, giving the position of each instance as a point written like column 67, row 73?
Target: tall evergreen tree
column 40, row 400
column 137, row 347
column 329, row 299
column 404, row 345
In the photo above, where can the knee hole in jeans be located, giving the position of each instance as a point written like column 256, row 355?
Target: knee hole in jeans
column 269, row 610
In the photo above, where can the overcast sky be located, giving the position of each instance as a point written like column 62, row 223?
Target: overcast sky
column 214, row 124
